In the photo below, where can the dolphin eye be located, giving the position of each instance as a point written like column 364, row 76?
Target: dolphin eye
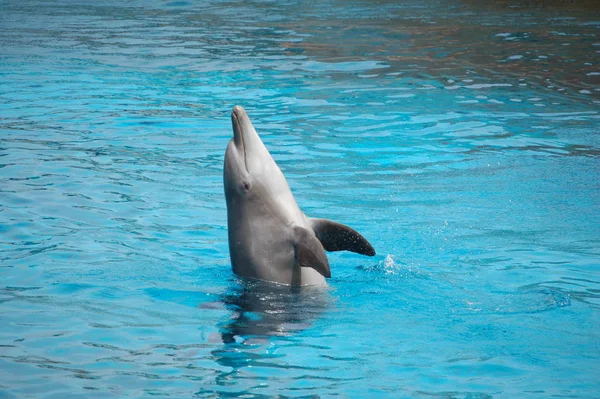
column 246, row 186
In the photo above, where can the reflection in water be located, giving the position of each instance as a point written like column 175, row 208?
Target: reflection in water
column 261, row 310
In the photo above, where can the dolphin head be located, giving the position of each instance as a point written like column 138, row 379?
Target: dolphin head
column 249, row 170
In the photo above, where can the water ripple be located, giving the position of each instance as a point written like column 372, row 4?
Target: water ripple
column 459, row 138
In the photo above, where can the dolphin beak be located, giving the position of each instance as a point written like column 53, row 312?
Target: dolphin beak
column 248, row 143
column 238, row 118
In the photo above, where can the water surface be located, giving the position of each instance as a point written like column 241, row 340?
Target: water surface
column 460, row 138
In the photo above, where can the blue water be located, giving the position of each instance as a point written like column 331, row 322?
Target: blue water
column 462, row 139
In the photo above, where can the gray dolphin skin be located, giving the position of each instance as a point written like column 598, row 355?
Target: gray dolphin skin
column 270, row 239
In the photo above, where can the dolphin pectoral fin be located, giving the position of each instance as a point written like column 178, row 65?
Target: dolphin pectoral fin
column 310, row 252
column 338, row 237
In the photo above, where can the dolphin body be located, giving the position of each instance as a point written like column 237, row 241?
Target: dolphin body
column 270, row 239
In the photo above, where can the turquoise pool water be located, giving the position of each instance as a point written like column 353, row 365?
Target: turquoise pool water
column 461, row 138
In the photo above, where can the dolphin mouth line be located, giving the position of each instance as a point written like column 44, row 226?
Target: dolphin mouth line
column 237, row 134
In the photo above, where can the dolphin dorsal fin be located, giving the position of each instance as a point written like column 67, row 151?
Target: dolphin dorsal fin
column 338, row 237
column 310, row 252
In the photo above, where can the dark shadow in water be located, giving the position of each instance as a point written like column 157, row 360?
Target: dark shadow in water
column 262, row 310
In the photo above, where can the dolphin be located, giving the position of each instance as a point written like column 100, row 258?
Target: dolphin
column 270, row 238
